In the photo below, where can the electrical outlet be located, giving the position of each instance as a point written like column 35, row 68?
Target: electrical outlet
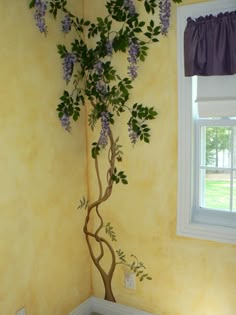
column 22, row 311
column 130, row 280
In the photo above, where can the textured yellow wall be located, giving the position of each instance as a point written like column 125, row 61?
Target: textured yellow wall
column 44, row 261
column 43, row 257
column 189, row 276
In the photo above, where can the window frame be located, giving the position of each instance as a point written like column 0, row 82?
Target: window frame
column 192, row 223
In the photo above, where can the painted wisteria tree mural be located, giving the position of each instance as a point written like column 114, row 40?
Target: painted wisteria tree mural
column 92, row 80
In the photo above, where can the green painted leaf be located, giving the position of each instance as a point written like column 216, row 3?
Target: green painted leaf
column 32, row 3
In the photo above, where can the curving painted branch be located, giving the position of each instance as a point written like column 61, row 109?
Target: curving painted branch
column 94, row 207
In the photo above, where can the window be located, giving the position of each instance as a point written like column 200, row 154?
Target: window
column 207, row 144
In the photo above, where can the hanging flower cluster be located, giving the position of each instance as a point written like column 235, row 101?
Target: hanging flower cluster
column 98, row 68
column 65, row 122
column 164, row 14
column 100, row 84
column 66, row 24
column 101, row 87
column 129, row 4
column 39, row 15
column 132, row 59
column 109, row 48
column 132, row 135
column 68, row 65
column 103, row 139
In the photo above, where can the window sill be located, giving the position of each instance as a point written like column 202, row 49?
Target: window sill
column 206, row 232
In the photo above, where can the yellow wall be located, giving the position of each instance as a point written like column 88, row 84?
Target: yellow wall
column 44, row 262
column 189, row 276
column 43, row 257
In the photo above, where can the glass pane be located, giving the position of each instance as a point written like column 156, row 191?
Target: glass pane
column 234, row 192
column 234, row 146
column 216, row 146
column 215, row 190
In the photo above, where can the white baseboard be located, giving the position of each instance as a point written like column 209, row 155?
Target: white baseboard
column 84, row 309
column 103, row 307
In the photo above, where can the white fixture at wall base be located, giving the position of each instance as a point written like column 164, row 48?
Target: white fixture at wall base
column 130, row 280
column 21, row 311
column 100, row 306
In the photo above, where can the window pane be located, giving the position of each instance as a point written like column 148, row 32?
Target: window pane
column 234, row 146
column 216, row 146
column 215, row 190
column 234, row 192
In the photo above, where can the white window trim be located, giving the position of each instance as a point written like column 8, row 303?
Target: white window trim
column 185, row 224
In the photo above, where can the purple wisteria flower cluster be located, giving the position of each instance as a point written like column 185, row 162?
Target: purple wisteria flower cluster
column 132, row 59
column 164, row 14
column 66, row 24
column 100, row 84
column 109, row 48
column 68, row 65
column 65, row 122
column 39, row 15
column 101, row 87
column 103, row 139
column 98, row 68
column 129, row 4
column 132, row 135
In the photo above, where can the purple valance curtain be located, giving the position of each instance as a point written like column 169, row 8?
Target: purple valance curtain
column 210, row 45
